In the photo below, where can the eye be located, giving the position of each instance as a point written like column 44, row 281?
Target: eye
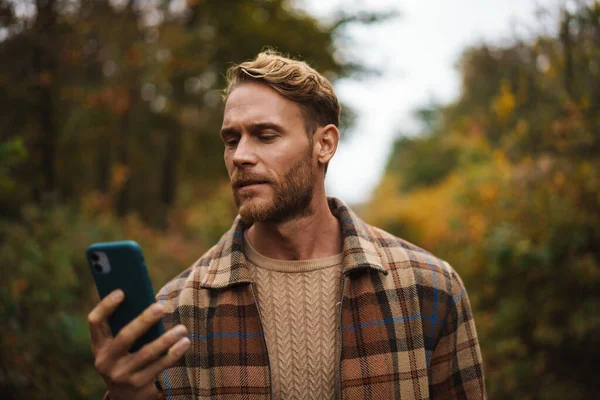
column 231, row 142
column 229, row 139
column 267, row 137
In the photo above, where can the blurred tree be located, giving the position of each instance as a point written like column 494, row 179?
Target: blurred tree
column 505, row 184
column 119, row 91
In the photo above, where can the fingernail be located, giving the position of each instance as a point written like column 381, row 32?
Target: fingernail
column 182, row 344
column 117, row 295
column 157, row 308
column 180, row 330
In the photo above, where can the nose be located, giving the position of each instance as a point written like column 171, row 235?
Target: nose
column 244, row 154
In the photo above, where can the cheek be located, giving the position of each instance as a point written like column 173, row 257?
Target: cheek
column 287, row 156
column 228, row 162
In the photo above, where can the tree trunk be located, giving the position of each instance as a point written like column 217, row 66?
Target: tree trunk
column 123, row 201
column 565, row 38
column 45, row 70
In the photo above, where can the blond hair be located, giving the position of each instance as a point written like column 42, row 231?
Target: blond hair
column 293, row 79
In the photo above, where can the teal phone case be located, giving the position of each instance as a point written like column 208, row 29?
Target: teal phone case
column 120, row 265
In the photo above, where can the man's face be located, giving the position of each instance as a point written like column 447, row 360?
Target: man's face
column 268, row 155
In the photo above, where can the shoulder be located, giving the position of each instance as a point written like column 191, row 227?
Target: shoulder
column 183, row 297
column 409, row 264
column 395, row 250
column 428, row 272
column 170, row 293
column 432, row 282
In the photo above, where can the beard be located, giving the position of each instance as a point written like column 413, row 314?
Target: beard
column 292, row 194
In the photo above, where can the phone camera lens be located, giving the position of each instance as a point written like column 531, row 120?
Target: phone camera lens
column 98, row 268
column 95, row 257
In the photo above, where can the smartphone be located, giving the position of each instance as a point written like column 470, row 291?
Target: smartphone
column 120, row 265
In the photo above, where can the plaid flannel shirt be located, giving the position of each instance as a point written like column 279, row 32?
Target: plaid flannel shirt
column 406, row 326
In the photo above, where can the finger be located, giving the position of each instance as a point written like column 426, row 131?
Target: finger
column 99, row 332
column 135, row 329
column 173, row 355
column 155, row 350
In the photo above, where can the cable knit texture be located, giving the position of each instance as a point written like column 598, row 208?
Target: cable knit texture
column 297, row 302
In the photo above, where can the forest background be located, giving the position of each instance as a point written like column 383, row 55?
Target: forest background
column 110, row 110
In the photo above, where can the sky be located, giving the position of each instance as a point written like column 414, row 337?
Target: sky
column 416, row 54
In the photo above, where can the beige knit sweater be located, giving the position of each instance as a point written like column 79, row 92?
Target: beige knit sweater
column 297, row 302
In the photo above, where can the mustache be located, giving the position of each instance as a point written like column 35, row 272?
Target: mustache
column 248, row 178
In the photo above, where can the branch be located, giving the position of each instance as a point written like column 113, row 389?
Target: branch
column 363, row 17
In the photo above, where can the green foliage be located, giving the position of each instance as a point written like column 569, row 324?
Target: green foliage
column 505, row 185
column 46, row 294
column 422, row 161
column 12, row 153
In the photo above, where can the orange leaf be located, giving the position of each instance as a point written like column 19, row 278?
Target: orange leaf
column 19, row 286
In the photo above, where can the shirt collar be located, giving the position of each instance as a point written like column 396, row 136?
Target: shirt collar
column 227, row 266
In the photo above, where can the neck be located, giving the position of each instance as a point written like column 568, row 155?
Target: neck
column 315, row 235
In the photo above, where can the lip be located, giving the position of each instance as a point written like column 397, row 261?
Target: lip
column 253, row 186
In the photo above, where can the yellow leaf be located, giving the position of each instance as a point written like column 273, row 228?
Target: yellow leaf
column 504, row 104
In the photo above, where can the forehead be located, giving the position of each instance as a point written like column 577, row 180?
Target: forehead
column 254, row 102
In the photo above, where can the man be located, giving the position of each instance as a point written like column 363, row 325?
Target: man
column 300, row 299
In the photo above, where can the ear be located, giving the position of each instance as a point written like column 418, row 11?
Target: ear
column 326, row 141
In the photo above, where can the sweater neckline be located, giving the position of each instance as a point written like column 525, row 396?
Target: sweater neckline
column 291, row 266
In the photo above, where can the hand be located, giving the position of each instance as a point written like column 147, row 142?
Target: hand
column 132, row 376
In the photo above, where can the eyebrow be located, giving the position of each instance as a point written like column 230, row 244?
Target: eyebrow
column 253, row 128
